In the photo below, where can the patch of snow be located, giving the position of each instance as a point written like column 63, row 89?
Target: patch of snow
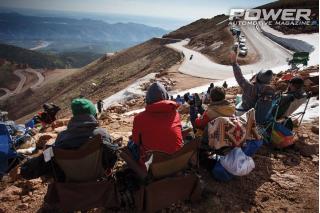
column 312, row 39
column 312, row 110
column 133, row 112
column 216, row 45
column 130, row 92
column 199, row 48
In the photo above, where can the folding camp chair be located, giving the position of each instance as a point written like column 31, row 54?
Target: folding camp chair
column 7, row 150
column 299, row 58
column 276, row 132
column 166, row 181
column 84, row 187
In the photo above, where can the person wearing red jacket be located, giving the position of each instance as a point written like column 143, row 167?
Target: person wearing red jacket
column 159, row 126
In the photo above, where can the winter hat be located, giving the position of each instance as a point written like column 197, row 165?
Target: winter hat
column 80, row 106
column 217, row 94
column 264, row 76
column 297, row 81
column 155, row 93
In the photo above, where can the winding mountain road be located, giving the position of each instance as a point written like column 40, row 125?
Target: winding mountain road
column 271, row 55
column 22, row 82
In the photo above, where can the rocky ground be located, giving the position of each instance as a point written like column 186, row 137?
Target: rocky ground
column 283, row 181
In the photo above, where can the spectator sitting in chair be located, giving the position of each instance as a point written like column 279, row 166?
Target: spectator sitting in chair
column 294, row 97
column 159, row 126
column 82, row 126
column 218, row 107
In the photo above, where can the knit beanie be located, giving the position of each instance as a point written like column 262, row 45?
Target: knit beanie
column 80, row 106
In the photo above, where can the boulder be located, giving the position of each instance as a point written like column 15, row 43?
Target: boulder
column 60, row 123
column 305, row 146
column 119, row 109
column 60, row 129
column 22, row 206
column 44, row 138
column 131, row 103
column 31, row 185
column 11, row 193
column 315, row 129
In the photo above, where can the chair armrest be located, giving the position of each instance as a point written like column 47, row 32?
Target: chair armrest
column 132, row 164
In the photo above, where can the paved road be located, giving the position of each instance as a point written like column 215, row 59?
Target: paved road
column 23, row 79
column 271, row 55
column 40, row 78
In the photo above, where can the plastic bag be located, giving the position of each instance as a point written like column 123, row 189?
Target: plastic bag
column 237, row 163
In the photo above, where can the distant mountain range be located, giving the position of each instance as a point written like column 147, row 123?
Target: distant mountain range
column 14, row 26
column 71, row 33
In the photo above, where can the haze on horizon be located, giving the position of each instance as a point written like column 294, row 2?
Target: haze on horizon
column 180, row 11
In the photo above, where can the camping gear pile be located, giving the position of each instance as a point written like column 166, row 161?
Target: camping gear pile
column 240, row 138
column 15, row 142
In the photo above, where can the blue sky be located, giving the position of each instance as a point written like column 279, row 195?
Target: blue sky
column 179, row 9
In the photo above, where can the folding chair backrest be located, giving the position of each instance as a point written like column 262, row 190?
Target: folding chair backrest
column 4, row 148
column 164, row 164
column 294, row 106
column 264, row 105
column 83, row 164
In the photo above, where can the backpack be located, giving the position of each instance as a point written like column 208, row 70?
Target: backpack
column 264, row 104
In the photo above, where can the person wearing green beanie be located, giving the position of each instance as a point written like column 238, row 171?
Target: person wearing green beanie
column 83, row 126
column 81, row 106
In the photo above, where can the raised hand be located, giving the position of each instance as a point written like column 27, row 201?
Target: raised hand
column 233, row 57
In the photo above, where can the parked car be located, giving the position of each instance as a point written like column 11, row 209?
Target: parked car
column 235, row 30
column 232, row 28
column 243, row 51
column 242, row 39
column 241, row 44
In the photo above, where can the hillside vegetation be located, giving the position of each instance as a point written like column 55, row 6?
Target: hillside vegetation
column 109, row 75
column 46, row 60
column 7, row 78
column 32, row 58
column 198, row 27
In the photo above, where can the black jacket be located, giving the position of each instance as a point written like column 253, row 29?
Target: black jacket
column 80, row 129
